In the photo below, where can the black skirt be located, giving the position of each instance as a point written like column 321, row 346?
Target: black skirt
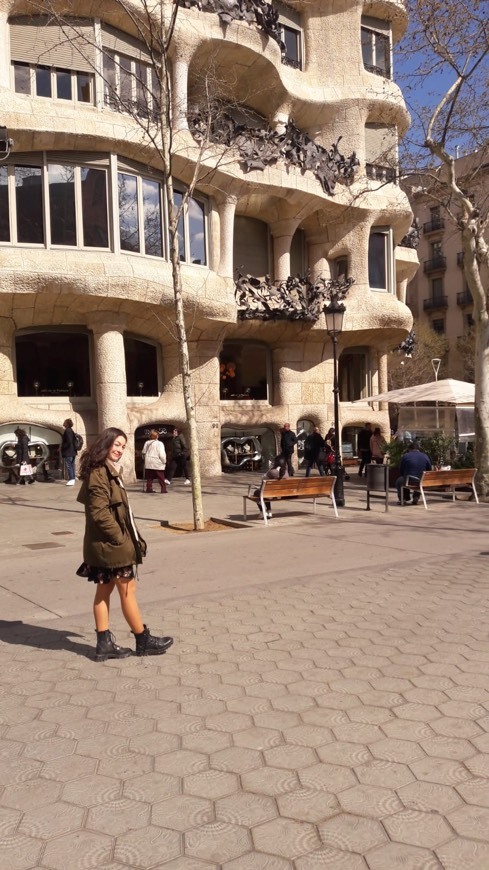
column 105, row 575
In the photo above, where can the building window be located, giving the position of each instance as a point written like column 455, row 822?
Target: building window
column 376, row 45
column 292, row 40
column 4, row 206
column 192, row 242
column 140, row 215
column 53, row 363
column 141, row 367
column 354, row 374
column 130, row 82
column 251, row 247
column 438, row 326
column 380, row 260
column 29, row 204
column 53, row 83
column 437, row 288
column 381, row 152
column 436, row 250
column 244, row 370
column 339, row 268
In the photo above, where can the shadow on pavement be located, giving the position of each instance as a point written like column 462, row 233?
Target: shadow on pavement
column 38, row 637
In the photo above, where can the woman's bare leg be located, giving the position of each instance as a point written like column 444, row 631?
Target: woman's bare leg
column 101, row 605
column 129, row 604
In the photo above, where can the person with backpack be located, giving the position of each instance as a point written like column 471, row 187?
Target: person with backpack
column 71, row 443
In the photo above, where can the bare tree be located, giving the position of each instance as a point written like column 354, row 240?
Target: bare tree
column 416, row 368
column 445, row 80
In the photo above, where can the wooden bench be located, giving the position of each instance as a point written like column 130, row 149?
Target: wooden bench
column 442, row 481
column 292, row 487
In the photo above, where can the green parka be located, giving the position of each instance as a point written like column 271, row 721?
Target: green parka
column 111, row 539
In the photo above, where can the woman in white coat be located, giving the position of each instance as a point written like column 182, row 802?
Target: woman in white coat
column 154, row 455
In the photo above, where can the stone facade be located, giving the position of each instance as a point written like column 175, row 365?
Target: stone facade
column 83, row 247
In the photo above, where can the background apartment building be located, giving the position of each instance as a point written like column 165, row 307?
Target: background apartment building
column 298, row 181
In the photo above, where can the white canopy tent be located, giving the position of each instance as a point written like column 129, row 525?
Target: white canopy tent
column 414, row 419
column 447, row 390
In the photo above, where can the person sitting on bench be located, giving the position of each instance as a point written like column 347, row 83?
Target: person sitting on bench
column 413, row 463
column 277, row 472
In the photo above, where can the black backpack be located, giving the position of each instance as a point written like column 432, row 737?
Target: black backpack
column 77, row 442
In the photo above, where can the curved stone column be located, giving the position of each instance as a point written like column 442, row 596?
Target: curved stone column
column 226, row 208
column 179, row 80
column 283, row 233
column 7, row 379
column 110, row 373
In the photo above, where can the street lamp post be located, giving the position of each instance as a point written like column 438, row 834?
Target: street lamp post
column 436, row 368
column 334, row 313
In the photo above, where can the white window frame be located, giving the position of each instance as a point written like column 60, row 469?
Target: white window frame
column 202, row 201
column 54, row 91
column 389, row 259
column 139, row 191
column 377, row 27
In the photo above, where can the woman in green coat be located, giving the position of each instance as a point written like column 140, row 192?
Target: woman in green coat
column 112, row 547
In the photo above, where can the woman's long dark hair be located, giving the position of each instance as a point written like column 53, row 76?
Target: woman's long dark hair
column 95, row 456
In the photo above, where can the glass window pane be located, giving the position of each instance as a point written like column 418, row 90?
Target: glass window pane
column 367, row 48
column 128, row 212
column 22, row 78
column 84, row 87
column 291, row 40
column 63, row 84
column 4, row 221
column 109, row 78
column 51, row 359
column 28, row 197
column 141, row 71
column 152, row 218
column 377, row 261
column 141, row 367
column 94, row 206
column 125, row 89
column 382, row 53
column 155, row 93
column 43, row 81
column 196, row 232
column 177, row 199
column 62, row 204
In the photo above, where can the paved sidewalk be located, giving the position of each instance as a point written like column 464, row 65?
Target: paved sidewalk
column 326, row 702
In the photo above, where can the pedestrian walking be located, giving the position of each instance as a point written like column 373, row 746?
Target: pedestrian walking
column 112, row 547
column 363, row 447
column 315, row 452
column 288, row 440
column 68, row 451
column 179, row 458
column 154, row 462
column 378, row 446
column 22, row 457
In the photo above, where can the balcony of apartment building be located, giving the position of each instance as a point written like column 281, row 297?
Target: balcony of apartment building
column 464, row 298
column 437, row 263
column 434, row 225
column 435, row 302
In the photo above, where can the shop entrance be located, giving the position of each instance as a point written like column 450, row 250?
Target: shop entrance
column 44, row 451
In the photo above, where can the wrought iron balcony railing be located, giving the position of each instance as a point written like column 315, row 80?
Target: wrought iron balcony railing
column 434, row 225
column 381, row 173
column 436, row 264
column 464, row 298
column 435, row 302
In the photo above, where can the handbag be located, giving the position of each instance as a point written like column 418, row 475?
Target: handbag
column 25, row 470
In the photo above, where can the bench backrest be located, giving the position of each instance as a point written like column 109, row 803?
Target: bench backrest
column 458, row 476
column 306, row 486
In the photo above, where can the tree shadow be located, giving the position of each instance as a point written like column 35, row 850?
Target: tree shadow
column 39, row 637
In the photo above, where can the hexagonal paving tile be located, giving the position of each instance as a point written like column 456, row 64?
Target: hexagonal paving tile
column 333, row 858
column 147, row 847
column 447, row 747
column 217, row 841
column 475, row 792
column 154, row 742
column 417, row 828
column 352, row 833
column 257, row 861
column 85, row 849
column 429, row 797
column 237, row 759
column 29, row 795
column 246, row 809
column 286, row 837
column 440, row 770
column 308, row 805
column 88, row 791
column 116, row 817
column 211, row 784
column 151, row 787
column 466, row 854
column 181, row 762
column 182, row 812
column 366, row 800
column 391, row 749
column 270, row 781
column 397, row 856
column 207, row 741
column 327, row 777
column 51, row 820
column 292, row 757
column 308, row 735
column 20, row 852
column 346, row 754
column 470, row 821
column 258, row 738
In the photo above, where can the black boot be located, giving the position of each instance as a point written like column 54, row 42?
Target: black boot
column 147, row 645
column 108, row 649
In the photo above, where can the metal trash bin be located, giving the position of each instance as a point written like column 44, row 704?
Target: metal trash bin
column 378, row 483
